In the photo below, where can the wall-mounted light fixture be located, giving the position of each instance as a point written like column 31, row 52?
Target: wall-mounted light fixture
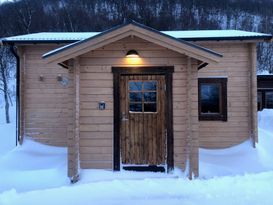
column 41, row 78
column 132, row 54
column 59, row 78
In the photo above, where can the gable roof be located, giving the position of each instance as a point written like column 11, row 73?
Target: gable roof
column 131, row 29
column 193, row 35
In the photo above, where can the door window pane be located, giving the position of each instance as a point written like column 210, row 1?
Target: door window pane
column 136, row 107
column 151, row 85
column 149, row 96
column 210, row 98
column 135, row 97
column 149, row 107
column 142, row 96
column 135, row 86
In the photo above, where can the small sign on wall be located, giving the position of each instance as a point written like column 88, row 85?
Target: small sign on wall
column 102, row 105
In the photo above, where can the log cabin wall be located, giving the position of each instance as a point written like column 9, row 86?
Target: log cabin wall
column 236, row 66
column 45, row 100
column 96, row 84
column 48, row 105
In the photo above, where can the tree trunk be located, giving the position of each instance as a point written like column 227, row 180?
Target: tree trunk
column 7, row 107
column 6, row 95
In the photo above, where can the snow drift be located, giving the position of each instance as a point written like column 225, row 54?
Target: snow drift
column 36, row 174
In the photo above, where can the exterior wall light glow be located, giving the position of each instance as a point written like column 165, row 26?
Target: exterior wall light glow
column 132, row 54
column 132, row 58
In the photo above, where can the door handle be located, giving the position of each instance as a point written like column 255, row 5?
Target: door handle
column 124, row 117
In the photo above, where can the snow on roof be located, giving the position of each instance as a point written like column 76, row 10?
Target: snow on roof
column 214, row 34
column 186, row 35
column 52, row 36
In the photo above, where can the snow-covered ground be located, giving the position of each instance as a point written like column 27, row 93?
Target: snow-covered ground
column 36, row 174
column 7, row 131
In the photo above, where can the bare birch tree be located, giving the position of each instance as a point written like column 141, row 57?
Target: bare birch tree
column 5, row 75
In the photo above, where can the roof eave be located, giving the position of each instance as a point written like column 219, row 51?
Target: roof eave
column 28, row 42
column 138, row 30
column 268, row 38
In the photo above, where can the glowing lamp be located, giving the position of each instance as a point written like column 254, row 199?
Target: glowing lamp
column 132, row 54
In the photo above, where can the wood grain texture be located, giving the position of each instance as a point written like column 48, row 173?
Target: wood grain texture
column 73, row 141
column 235, row 65
column 44, row 104
column 49, row 106
column 137, row 32
column 143, row 139
column 98, row 76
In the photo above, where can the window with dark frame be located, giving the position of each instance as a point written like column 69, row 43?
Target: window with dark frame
column 143, row 96
column 212, row 99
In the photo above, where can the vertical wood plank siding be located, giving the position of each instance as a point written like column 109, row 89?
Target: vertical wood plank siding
column 236, row 66
column 147, row 144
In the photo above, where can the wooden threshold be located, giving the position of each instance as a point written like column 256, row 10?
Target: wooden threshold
column 149, row 168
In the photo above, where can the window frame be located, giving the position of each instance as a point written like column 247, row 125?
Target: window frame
column 222, row 116
column 143, row 102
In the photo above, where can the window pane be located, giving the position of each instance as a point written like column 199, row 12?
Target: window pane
column 135, row 86
column 149, row 97
column 210, row 98
column 149, row 107
column 135, row 97
column 259, row 100
column 136, row 107
column 150, row 85
column 269, row 99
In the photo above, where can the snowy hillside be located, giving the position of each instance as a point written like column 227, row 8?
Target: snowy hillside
column 36, row 174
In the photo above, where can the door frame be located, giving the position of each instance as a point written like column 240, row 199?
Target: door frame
column 167, row 71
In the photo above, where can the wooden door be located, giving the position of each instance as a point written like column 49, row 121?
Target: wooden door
column 142, row 119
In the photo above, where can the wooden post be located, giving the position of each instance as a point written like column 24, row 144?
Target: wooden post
column 192, row 119
column 253, row 94
column 73, row 138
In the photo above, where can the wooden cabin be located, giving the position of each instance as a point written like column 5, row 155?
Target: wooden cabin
column 265, row 91
column 136, row 98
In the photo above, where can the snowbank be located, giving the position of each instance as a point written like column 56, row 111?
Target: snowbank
column 242, row 158
column 36, row 174
column 33, row 166
column 247, row 189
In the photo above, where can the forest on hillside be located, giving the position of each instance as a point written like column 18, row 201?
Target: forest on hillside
column 30, row 16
